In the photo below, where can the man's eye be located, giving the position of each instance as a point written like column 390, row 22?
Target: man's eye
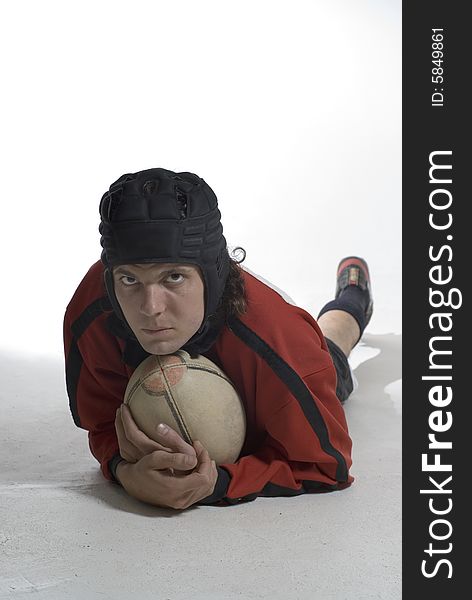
column 127, row 281
column 176, row 277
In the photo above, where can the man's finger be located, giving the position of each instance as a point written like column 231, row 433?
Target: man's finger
column 136, row 436
column 160, row 460
column 173, row 440
column 200, row 449
column 202, row 476
column 127, row 450
column 204, row 460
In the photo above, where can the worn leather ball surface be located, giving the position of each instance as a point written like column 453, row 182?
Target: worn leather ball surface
column 194, row 397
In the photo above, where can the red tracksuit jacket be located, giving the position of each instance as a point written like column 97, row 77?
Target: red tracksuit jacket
column 297, row 437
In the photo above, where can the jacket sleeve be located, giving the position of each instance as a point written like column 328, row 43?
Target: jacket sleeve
column 306, row 446
column 96, row 381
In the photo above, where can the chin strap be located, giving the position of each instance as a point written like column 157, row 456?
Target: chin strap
column 110, row 288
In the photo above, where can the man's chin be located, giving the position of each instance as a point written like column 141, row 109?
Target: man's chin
column 160, row 347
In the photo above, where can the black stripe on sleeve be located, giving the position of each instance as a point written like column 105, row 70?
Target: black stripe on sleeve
column 73, row 367
column 272, row 489
column 298, row 389
column 89, row 315
column 74, row 358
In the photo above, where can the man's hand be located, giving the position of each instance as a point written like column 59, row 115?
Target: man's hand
column 135, row 444
column 150, row 478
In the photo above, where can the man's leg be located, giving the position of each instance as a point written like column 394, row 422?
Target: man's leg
column 340, row 327
column 344, row 319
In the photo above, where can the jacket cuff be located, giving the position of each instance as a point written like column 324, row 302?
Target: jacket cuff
column 113, row 463
column 221, row 488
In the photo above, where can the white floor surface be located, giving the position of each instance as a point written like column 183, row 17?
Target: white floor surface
column 292, row 112
column 66, row 533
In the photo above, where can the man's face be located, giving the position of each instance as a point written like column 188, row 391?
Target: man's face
column 161, row 295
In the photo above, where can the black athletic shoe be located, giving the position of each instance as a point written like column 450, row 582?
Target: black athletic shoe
column 353, row 270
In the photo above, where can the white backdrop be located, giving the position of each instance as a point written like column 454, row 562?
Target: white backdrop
column 291, row 111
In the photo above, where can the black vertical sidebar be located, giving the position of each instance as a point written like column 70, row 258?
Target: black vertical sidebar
column 437, row 323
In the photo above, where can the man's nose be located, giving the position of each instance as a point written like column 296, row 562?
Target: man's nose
column 153, row 302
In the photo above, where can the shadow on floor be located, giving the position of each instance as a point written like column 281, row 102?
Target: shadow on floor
column 377, row 373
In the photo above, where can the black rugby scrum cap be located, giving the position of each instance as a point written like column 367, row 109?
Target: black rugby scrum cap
column 157, row 215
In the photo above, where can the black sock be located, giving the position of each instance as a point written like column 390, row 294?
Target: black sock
column 352, row 300
column 355, row 295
